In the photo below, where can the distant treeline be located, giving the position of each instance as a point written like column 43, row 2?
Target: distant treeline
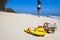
column 2, row 6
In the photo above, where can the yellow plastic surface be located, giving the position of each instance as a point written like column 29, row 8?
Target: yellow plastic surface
column 37, row 31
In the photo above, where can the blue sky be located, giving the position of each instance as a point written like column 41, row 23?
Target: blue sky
column 30, row 6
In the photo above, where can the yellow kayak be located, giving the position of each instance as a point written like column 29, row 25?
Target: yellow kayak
column 37, row 31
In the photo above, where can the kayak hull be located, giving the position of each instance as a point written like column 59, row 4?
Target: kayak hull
column 37, row 32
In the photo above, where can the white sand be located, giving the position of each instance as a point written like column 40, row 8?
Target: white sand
column 12, row 26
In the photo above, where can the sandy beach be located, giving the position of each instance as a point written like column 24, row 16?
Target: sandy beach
column 12, row 26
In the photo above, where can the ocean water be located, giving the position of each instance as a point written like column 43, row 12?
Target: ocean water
column 56, row 16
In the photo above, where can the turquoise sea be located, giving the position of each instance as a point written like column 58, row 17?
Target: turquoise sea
column 57, row 16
